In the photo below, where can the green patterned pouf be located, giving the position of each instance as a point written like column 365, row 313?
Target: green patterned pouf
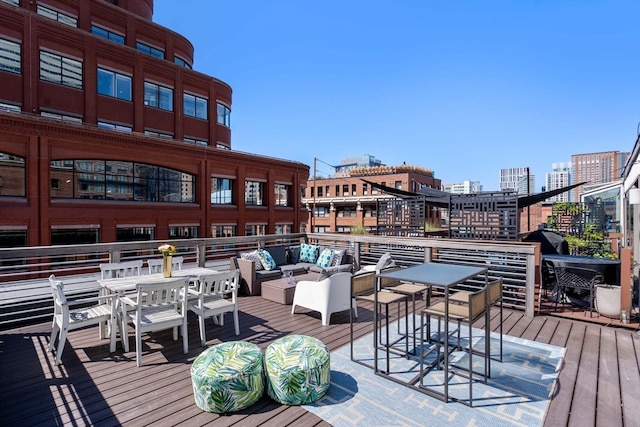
column 297, row 369
column 228, row 377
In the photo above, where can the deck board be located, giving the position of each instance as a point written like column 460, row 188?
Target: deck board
column 598, row 382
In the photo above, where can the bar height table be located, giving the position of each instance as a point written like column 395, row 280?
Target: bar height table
column 438, row 275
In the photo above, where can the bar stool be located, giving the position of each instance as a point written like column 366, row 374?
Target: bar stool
column 363, row 288
column 469, row 311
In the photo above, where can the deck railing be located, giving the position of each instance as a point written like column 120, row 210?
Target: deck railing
column 25, row 295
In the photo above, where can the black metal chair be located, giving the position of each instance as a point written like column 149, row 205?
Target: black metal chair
column 580, row 279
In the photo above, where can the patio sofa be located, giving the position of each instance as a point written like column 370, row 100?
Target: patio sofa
column 294, row 258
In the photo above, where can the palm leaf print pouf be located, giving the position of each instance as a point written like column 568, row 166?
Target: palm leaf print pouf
column 228, row 377
column 297, row 369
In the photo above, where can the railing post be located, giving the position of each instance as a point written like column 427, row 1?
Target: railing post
column 530, row 289
column 201, row 254
column 428, row 254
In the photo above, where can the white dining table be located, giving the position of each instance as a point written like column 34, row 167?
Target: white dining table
column 116, row 287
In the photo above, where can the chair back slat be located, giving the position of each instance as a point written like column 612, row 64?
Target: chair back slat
column 114, row 270
column 225, row 282
column 495, row 291
column 155, row 265
column 363, row 284
column 477, row 303
column 161, row 293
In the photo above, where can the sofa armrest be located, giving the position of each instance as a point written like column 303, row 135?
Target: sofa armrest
column 248, row 273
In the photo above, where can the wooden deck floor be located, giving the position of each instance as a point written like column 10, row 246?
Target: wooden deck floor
column 599, row 383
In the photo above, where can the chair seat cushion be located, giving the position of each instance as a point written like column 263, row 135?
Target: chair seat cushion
column 297, row 369
column 228, row 377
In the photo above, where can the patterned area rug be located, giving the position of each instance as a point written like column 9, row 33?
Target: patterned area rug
column 517, row 394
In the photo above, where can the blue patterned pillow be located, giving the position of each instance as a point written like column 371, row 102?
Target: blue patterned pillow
column 308, row 253
column 324, row 260
column 266, row 259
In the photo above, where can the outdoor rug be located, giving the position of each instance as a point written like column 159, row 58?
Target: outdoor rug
column 517, row 394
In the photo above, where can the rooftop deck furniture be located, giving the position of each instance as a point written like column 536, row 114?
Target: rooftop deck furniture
column 228, row 377
column 327, row 296
column 580, row 279
column 159, row 305
column 281, row 290
column 214, row 295
column 66, row 319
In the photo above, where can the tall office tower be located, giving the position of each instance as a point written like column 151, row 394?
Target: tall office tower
column 515, row 179
column 464, row 187
column 597, row 168
column 560, row 176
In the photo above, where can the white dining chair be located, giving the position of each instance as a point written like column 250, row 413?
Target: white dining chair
column 157, row 306
column 66, row 319
column 113, row 270
column 215, row 295
column 155, row 265
column 176, row 262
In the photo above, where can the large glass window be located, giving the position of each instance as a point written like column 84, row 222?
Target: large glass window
column 158, row 134
column 63, row 117
column 219, row 230
column 221, row 191
column 181, row 62
column 254, row 193
column 195, row 106
column 183, row 231
column 119, row 180
column 13, row 2
column 13, row 178
column 12, row 239
column 77, row 235
column 282, row 194
column 114, row 84
column 255, row 230
column 106, row 34
column 133, row 234
column 284, row 228
column 57, row 16
column 143, row 47
column 158, row 96
column 61, row 70
column 10, row 56
column 113, row 126
column 196, row 141
column 223, row 115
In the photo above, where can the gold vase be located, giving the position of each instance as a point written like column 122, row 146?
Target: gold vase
column 166, row 267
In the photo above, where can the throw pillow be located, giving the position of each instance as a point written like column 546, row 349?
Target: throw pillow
column 337, row 257
column 384, row 261
column 308, row 253
column 253, row 256
column 267, row 260
column 324, row 260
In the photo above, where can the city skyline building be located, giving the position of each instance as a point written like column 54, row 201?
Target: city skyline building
column 464, row 187
column 559, row 177
column 596, row 168
column 515, row 179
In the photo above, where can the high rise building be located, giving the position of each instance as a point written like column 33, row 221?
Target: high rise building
column 464, row 187
column 515, row 179
column 559, row 177
column 108, row 134
column 597, row 168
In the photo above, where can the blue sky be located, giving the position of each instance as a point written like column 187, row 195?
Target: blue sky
column 460, row 87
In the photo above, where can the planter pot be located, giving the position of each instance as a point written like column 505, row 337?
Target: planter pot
column 608, row 301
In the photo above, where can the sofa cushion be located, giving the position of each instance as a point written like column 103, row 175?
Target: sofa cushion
column 266, row 259
column 338, row 254
column 294, row 254
column 268, row 274
column 328, row 272
column 278, row 254
column 384, row 261
column 325, row 257
column 308, row 253
column 253, row 256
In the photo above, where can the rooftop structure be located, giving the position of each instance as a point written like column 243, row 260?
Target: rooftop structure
column 520, row 180
column 597, row 168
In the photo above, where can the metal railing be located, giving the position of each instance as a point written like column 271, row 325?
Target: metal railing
column 25, row 295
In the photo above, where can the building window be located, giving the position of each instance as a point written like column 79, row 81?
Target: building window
column 158, row 96
column 74, row 236
column 398, row 185
column 150, row 50
column 365, row 188
column 326, row 191
column 353, row 190
column 282, row 194
column 61, row 70
column 181, row 62
column 343, row 229
column 120, row 180
column 62, row 117
column 10, row 56
column 254, row 193
column 196, row 141
column 319, row 191
column 132, row 234
column 321, row 212
column 284, row 228
column 255, row 230
column 222, row 146
column 345, row 190
column 337, row 190
column 183, row 232
column 321, row 229
column 57, row 16
column 13, row 2
column 13, row 239
column 10, row 107
column 113, row 126
column 13, row 177
column 221, row 191
column 223, row 230
column 106, row 34
column 195, row 106
column 158, row 134
column 223, row 115
column 369, row 212
column 114, row 84
column 347, row 212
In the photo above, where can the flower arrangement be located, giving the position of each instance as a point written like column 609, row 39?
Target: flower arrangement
column 167, row 249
